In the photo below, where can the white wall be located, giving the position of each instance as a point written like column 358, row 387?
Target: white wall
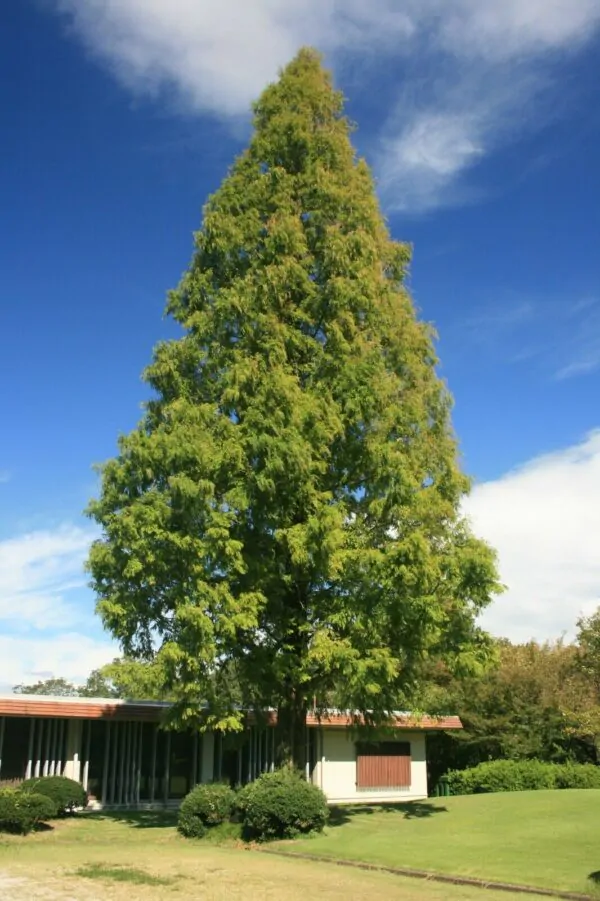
column 335, row 772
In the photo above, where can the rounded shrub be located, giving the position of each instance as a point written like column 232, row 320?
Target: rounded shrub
column 205, row 806
column 21, row 811
column 67, row 795
column 282, row 805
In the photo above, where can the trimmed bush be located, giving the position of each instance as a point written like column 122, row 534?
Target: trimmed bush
column 282, row 805
column 66, row 794
column 21, row 811
column 577, row 775
column 522, row 775
column 205, row 806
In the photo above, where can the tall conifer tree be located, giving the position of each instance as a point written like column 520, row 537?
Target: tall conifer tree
column 287, row 510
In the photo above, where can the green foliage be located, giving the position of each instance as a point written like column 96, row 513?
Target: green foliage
column 205, row 806
column 59, row 687
column 533, row 701
column 289, row 506
column 282, row 805
column 577, row 775
column 522, row 775
column 131, row 679
column 21, row 811
column 66, row 794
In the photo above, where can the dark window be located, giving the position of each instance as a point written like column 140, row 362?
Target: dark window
column 385, row 764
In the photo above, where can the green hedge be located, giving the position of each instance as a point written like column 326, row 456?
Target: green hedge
column 282, row 805
column 522, row 775
column 21, row 811
column 66, row 794
column 204, row 807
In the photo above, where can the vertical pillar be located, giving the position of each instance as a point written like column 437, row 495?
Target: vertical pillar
column 153, row 763
column 38, row 753
column 259, row 738
column 59, row 753
column 53, row 731
column 219, row 741
column 105, row 765
column 113, row 755
column 194, row 776
column 239, row 766
column 122, row 727
column 249, row 772
column 201, row 739
column 167, row 767
column 133, row 764
column 138, row 775
column 273, row 749
column 307, row 753
column 208, row 756
column 84, row 772
column 2, row 728
column 46, row 766
column 73, row 751
column 128, row 763
column 29, row 767
column 322, row 757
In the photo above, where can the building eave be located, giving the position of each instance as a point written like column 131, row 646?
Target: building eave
column 153, row 711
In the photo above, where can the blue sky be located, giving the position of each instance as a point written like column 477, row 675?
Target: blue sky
column 482, row 124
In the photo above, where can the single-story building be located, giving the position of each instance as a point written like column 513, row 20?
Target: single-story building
column 123, row 758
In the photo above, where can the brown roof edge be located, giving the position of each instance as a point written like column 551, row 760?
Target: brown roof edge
column 399, row 721
column 152, row 711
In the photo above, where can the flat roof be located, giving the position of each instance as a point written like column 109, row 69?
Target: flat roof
column 152, row 711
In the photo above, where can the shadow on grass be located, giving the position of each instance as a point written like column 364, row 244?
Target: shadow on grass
column 121, row 873
column 410, row 810
column 595, row 877
column 140, row 819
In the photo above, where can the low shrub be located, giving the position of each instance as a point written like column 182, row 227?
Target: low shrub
column 67, row 795
column 522, row 775
column 577, row 775
column 21, row 811
column 205, row 806
column 282, row 805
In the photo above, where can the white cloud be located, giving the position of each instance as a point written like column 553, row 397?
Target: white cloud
column 37, row 571
column 69, row 654
column 544, row 521
column 463, row 75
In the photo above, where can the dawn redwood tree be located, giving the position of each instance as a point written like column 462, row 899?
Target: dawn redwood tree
column 288, row 509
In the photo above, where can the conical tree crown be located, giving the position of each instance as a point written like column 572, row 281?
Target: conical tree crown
column 290, row 501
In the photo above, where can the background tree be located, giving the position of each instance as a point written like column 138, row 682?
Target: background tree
column 58, row 687
column 128, row 679
column 533, row 701
column 289, row 505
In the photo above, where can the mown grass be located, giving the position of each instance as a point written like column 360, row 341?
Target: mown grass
column 142, row 857
column 121, row 874
column 546, row 839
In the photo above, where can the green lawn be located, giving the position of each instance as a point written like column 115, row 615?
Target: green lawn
column 543, row 838
column 141, row 857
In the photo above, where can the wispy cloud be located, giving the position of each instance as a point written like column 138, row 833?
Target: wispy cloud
column 463, row 76
column 37, row 572
column 561, row 336
column 5, row 476
column 72, row 655
column 581, row 351
column 544, row 520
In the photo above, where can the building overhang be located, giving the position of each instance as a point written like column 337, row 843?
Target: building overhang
column 153, row 711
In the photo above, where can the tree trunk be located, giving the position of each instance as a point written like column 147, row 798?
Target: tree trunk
column 292, row 731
